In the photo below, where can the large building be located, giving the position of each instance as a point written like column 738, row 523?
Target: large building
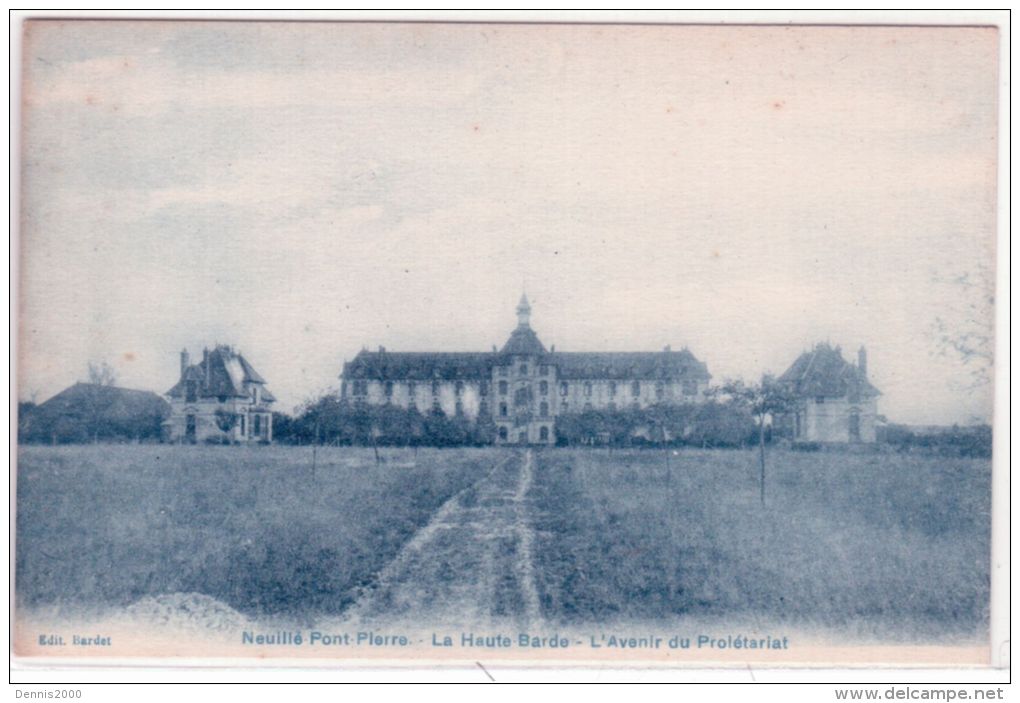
column 221, row 398
column 835, row 402
column 523, row 387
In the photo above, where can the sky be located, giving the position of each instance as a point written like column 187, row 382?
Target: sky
column 303, row 191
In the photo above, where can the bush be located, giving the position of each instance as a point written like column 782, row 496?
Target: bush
column 954, row 441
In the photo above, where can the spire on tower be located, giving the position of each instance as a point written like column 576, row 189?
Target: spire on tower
column 524, row 311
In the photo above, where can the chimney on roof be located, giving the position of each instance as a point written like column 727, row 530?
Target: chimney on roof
column 667, row 349
column 494, row 349
column 552, row 349
column 862, row 361
column 184, row 361
column 382, row 349
column 206, row 364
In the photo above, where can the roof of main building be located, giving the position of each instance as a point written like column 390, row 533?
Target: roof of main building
column 523, row 342
column 428, row 366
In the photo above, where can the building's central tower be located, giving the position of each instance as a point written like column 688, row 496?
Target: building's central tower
column 523, row 376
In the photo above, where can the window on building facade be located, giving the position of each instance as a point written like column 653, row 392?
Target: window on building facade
column 483, row 408
column 660, row 390
column 820, row 400
column 587, row 389
column 635, row 389
column 563, row 388
column 543, row 433
column 257, row 426
column 587, row 407
column 524, row 369
column 437, row 407
column 502, row 410
column 388, row 389
column 191, row 392
column 543, row 387
column 690, row 387
column 612, row 388
column 502, row 371
column 543, row 369
column 483, row 388
column 564, row 406
column 244, row 426
column 458, row 408
column 411, row 389
column 361, row 387
column 503, row 387
column 543, row 409
column 435, row 388
column 502, row 433
column 459, row 387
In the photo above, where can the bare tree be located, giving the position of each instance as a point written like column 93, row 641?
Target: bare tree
column 102, row 374
column 764, row 400
column 97, row 400
column 966, row 331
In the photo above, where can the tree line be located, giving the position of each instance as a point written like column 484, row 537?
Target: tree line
column 723, row 422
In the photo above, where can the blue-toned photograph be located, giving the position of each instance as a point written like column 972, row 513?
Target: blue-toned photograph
column 574, row 343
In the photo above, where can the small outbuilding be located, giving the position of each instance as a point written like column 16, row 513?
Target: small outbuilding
column 834, row 401
column 90, row 412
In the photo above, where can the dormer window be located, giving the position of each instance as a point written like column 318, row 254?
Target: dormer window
column 255, row 394
column 191, row 392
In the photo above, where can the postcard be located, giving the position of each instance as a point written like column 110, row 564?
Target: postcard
column 608, row 344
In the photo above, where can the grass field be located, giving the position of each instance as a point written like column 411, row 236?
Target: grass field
column 251, row 527
column 844, row 538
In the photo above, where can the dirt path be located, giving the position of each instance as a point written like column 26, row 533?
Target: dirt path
column 471, row 564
